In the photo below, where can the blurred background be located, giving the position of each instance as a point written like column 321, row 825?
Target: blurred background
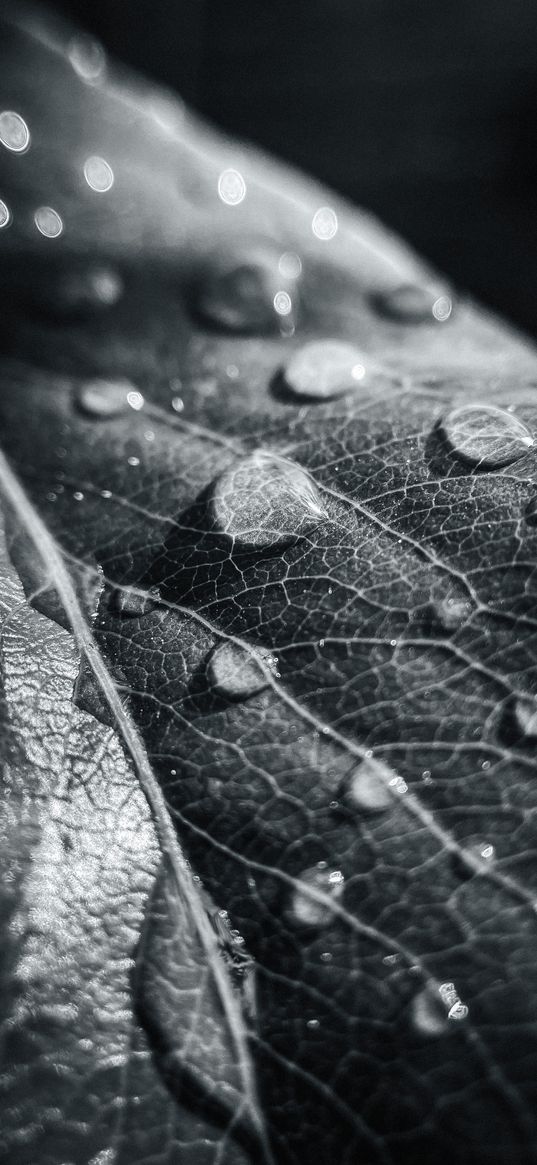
column 421, row 110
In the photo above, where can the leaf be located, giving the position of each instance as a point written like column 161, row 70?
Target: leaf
column 364, row 811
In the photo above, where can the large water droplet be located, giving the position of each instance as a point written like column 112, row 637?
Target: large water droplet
column 486, row 437
column 435, row 1009
column 14, row 133
column 412, row 304
column 236, row 673
column 324, row 369
column 108, row 398
column 265, row 501
column 370, row 788
column 304, row 909
column 242, row 291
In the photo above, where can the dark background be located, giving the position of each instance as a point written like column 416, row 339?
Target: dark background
column 425, row 111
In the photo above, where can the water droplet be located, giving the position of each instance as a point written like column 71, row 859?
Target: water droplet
column 290, row 265
column 87, row 58
column 178, row 404
column 231, row 187
column 78, row 496
column 236, row 673
column 149, row 435
column 134, row 604
column 426, row 777
column 48, row 222
column 106, row 493
column 241, row 291
column 108, row 398
column 450, row 613
column 75, row 294
column 14, row 133
column 391, row 960
column 326, row 957
column 306, row 910
column 369, row 788
column 283, row 303
column 324, row 223
column 133, row 461
column 313, row 1024
column 525, row 717
column 5, row 214
column 265, row 501
column 412, row 304
column 485, row 766
column 324, row 369
column 435, row 1008
column 98, row 174
column 485, row 436
column 232, row 371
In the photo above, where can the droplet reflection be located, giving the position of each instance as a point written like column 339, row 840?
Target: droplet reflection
column 98, row 174
column 14, row 133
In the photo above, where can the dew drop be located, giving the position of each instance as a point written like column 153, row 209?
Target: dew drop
column 450, row 613
column 134, row 604
column 14, row 133
column 412, row 304
column 324, row 369
column 241, row 291
column 98, row 174
column 102, row 398
column 231, row 187
column 485, row 436
column 326, row 957
column 236, row 673
column 264, row 502
column 434, row 1009
column 177, row 404
column 5, row 214
column 525, row 718
column 48, row 222
column 324, row 223
column 78, row 496
column 304, row 909
column 369, row 788
column 87, row 58
column 133, row 461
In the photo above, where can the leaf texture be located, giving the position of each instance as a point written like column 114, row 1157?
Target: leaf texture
column 318, row 607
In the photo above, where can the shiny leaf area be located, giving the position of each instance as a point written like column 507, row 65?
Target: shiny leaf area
column 282, row 492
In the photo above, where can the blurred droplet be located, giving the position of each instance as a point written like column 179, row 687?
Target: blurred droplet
column 290, row 265
column 306, row 910
column 324, row 223
column 48, row 222
column 450, row 613
column 5, row 216
column 108, row 398
column 525, row 718
column 442, row 308
column 240, row 291
column 177, row 404
column 14, row 133
column 283, row 303
column 265, row 501
column 368, row 788
column 87, row 57
column 323, row 369
column 231, row 187
column 98, row 174
column 486, row 437
column 412, row 304
column 236, row 673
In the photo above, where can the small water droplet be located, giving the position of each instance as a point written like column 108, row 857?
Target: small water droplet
column 324, row 223
column 232, row 371
column 237, row 674
column 241, row 291
column 290, row 265
column 324, row 369
column 485, row 766
column 106, row 493
column 412, row 304
column 334, row 805
column 524, row 712
column 133, row 461
column 87, row 58
column 231, row 187
column 486, row 437
column 326, row 957
column 265, row 502
column 5, row 214
column 313, row 1024
column 98, row 174
column 48, row 222
column 78, row 496
column 426, row 777
column 306, row 910
column 134, row 604
column 102, row 398
column 177, row 404
column 14, row 132
column 391, row 960
column 369, row 788
column 149, row 435
column 433, row 1009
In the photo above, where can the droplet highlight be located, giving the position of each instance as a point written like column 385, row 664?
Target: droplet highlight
column 486, row 437
column 48, row 222
column 264, row 502
column 324, row 369
column 14, row 132
column 102, row 398
column 304, row 908
column 237, row 673
column 98, row 174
